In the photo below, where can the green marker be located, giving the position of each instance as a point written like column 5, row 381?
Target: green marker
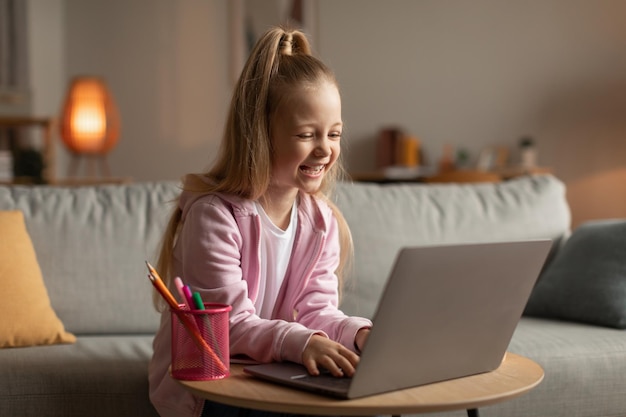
column 197, row 301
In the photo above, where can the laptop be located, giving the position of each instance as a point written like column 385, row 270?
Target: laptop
column 446, row 312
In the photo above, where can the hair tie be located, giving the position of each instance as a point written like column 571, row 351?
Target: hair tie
column 286, row 44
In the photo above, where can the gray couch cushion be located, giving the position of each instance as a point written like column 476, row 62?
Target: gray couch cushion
column 97, row 376
column 583, row 365
column 586, row 282
column 91, row 243
column 584, row 371
column 383, row 218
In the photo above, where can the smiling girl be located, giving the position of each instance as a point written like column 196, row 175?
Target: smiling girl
column 258, row 231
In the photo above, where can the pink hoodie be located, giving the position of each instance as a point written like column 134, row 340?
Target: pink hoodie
column 217, row 254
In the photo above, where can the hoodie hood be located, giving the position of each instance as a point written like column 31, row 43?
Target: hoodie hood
column 240, row 206
column 316, row 212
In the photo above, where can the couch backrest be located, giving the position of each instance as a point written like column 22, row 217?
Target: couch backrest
column 91, row 243
column 384, row 218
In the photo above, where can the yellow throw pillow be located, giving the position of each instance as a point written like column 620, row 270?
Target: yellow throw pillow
column 26, row 316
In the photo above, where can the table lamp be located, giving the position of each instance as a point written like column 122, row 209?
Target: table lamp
column 90, row 123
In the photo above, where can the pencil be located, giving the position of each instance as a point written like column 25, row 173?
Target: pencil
column 165, row 293
column 153, row 272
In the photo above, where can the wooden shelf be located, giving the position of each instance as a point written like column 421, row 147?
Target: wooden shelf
column 519, row 171
column 47, row 151
column 78, row 182
column 426, row 176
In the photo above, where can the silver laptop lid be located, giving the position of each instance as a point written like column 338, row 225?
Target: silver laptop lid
column 446, row 312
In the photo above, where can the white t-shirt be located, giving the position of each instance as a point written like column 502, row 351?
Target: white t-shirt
column 276, row 246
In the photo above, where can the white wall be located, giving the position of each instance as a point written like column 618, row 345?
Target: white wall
column 487, row 72
column 164, row 62
column 471, row 74
column 46, row 43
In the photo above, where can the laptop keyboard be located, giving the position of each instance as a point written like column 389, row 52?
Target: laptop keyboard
column 326, row 379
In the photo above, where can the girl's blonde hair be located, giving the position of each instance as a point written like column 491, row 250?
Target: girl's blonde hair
column 280, row 60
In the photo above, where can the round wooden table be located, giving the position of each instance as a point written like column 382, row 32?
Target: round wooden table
column 516, row 376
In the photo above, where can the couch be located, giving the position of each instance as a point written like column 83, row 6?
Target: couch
column 88, row 249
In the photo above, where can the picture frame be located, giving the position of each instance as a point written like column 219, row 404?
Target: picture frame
column 492, row 158
column 249, row 19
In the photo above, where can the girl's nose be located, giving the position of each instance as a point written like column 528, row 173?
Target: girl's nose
column 323, row 147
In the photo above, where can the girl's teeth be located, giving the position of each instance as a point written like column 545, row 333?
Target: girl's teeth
column 312, row 170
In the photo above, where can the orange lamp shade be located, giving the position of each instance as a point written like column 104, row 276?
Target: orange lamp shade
column 90, row 122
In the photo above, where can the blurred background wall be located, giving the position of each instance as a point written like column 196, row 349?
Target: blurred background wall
column 465, row 74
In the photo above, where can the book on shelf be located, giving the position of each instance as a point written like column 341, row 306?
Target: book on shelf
column 6, row 166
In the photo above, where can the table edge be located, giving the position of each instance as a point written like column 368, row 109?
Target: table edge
column 323, row 405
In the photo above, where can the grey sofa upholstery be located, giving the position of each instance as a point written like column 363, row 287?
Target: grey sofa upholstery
column 91, row 243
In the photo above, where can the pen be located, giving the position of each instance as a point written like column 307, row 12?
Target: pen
column 197, row 301
column 199, row 305
column 188, row 296
column 179, row 286
column 193, row 304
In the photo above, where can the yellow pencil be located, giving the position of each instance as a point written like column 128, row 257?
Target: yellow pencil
column 161, row 287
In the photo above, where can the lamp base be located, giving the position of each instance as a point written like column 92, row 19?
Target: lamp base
column 91, row 167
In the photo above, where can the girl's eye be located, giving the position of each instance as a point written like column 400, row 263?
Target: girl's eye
column 305, row 135
column 334, row 135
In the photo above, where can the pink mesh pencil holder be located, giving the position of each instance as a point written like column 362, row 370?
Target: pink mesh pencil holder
column 200, row 343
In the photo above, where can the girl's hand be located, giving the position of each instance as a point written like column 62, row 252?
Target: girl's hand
column 321, row 351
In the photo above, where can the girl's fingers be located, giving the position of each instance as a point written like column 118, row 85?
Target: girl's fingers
column 324, row 353
column 311, row 366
